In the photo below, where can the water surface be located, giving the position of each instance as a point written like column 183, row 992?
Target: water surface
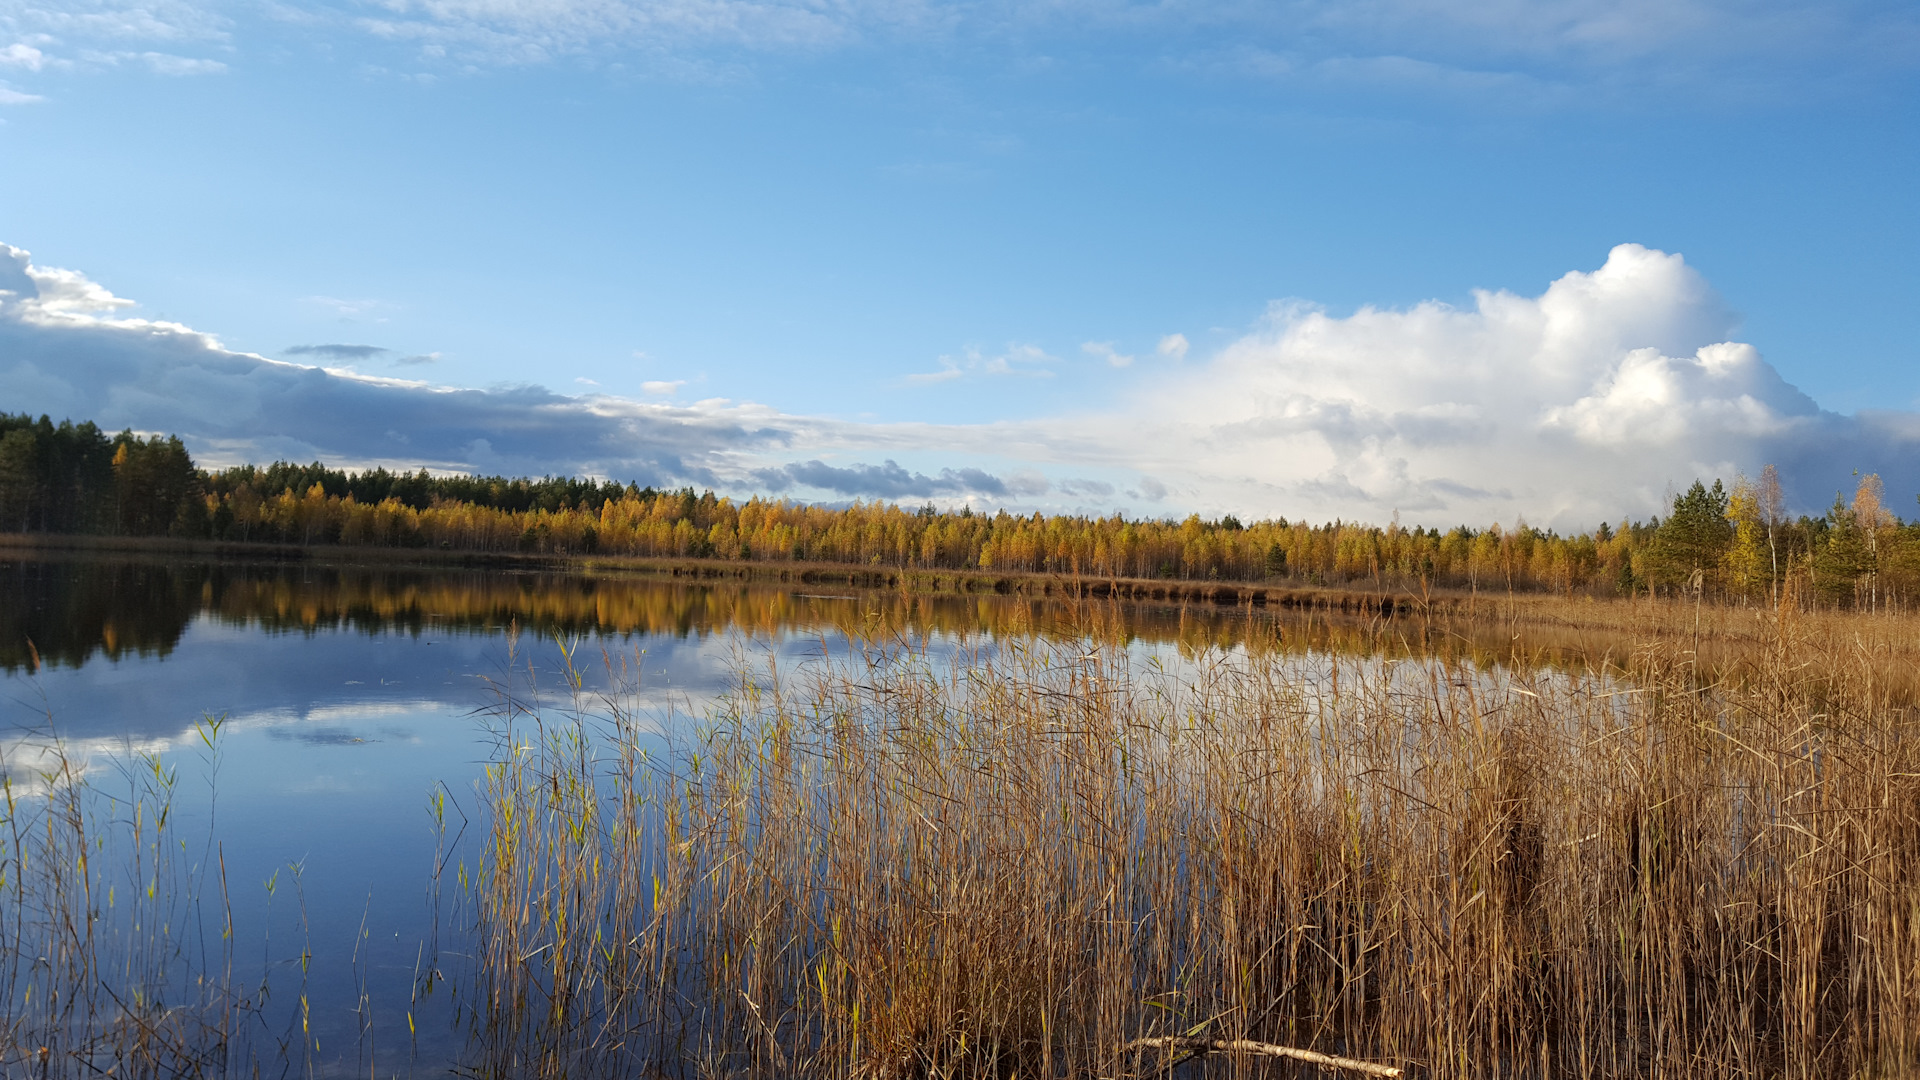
column 350, row 700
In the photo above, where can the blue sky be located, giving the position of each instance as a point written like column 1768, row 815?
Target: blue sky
column 933, row 233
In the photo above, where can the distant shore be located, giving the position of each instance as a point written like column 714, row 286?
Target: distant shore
column 1358, row 599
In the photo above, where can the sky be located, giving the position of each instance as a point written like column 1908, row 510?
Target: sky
column 1455, row 262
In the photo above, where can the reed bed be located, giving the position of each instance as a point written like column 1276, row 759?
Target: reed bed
column 104, row 965
column 1023, row 859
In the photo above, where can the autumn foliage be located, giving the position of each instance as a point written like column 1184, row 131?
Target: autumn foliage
column 1715, row 542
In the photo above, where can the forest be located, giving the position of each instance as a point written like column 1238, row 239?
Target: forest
column 1732, row 542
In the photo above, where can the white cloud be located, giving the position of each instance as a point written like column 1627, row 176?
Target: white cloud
column 662, row 387
column 1586, row 402
column 346, row 309
column 82, row 34
column 1173, row 347
column 67, row 348
column 10, row 96
column 21, row 55
column 168, row 64
column 1105, row 351
column 946, row 372
column 1582, row 403
column 100, row 22
column 49, row 296
column 1018, row 359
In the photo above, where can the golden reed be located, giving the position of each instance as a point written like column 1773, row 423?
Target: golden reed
column 1041, row 857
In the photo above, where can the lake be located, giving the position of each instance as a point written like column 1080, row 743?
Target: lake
column 327, row 818
column 311, row 714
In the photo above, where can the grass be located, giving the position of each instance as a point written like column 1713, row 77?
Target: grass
column 1020, row 861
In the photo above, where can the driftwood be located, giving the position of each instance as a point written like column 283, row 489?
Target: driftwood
column 1248, row 1046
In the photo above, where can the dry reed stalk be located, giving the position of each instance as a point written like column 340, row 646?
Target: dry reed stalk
column 1027, row 859
column 1177, row 1044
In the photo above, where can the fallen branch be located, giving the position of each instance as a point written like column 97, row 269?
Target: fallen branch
column 1248, row 1046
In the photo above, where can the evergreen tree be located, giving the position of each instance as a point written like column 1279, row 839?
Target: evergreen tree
column 1695, row 537
column 1276, row 559
column 1841, row 557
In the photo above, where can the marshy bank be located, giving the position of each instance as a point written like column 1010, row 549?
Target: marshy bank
column 912, row 837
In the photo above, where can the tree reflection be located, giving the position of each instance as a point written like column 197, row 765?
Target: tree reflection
column 68, row 611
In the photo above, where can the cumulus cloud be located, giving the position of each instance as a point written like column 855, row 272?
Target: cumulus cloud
column 1583, row 403
column 1173, row 347
column 1589, row 401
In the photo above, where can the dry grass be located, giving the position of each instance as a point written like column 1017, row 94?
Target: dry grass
column 1019, row 861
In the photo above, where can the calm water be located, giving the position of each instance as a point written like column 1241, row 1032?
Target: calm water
column 349, row 699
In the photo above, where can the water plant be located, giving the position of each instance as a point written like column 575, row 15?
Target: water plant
column 117, row 950
column 1039, row 857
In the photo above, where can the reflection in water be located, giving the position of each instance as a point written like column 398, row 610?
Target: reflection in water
column 349, row 694
column 68, row 610
column 72, row 610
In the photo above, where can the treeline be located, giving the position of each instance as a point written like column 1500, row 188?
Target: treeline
column 75, row 479
column 1732, row 543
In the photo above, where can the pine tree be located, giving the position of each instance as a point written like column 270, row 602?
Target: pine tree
column 1691, row 544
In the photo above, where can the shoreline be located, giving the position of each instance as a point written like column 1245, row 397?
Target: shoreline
column 916, row 580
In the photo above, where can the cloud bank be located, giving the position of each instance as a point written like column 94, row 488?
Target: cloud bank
column 67, row 349
column 1592, row 400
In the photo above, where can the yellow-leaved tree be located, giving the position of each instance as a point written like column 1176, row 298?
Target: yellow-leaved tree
column 1746, row 561
column 1876, row 524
